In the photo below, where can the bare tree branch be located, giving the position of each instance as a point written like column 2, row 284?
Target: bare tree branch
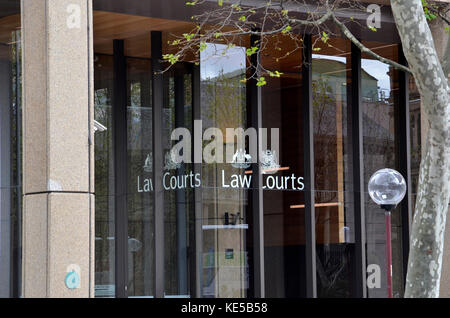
column 229, row 22
column 364, row 49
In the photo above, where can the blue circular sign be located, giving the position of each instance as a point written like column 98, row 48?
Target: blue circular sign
column 72, row 280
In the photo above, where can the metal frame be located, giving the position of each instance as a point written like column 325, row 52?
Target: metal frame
column 158, row 161
column 308, row 157
column 256, row 207
column 196, row 272
column 120, row 169
column 180, row 194
column 356, row 161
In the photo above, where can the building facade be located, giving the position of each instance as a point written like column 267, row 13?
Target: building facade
column 93, row 203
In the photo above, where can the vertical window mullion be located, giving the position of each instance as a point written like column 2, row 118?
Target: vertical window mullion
column 180, row 194
column 120, row 169
column 257, row 209
column 356, row 161
column 198, row 254
column 308, row 151
column 158, row 199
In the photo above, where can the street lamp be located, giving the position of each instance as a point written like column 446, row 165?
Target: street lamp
column 387, row 188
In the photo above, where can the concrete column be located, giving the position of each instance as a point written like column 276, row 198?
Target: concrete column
column 58, row 178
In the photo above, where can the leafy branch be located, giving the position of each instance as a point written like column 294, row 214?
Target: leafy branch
column 272, row 22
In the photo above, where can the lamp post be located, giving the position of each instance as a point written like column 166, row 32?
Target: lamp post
column 387, row 188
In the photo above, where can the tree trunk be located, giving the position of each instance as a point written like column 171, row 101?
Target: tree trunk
column 427, row 237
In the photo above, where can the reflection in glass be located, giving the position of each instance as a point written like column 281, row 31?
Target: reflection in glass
column 104, row 179
column 179, row 200
column 224, row 224
column 334, row 214
column 380, row 90
column 284, row 213
column 140, row 185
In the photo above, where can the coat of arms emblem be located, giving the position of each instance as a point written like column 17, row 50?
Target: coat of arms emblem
column 241, row 159
column 269, row 162
column 148, row 166
column 170, row 162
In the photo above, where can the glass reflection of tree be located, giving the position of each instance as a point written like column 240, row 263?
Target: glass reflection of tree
column 225, row 107
column 224, row 104
column 332, row 261
column 103, row 160
column 324, row 114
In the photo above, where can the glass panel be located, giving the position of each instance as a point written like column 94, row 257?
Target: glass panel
column 335, row 233
column 104, row 179
column 380, row 89
column 283, row 196
column 179, row 184
column 140, row 187
column 10, row 148
column 225, row 204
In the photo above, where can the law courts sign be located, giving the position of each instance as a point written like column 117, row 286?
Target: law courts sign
column 213, row 153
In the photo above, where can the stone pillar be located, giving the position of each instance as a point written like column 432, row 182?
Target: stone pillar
column 58, row 178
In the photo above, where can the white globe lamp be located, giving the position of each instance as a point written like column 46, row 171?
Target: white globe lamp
column 387, row 188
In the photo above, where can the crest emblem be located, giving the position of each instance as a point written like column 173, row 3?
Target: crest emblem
column 269, row 162
column 148, row 166
column 241, row 159
column 170, row 161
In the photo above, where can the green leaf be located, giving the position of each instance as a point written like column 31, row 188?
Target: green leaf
column 275, row 74
column 188, row 36
column 171, row 58
column 261, row 81
column 325, row 37
column 220, row 2
column 203, row 46
column 286, row 29
column 251, row 50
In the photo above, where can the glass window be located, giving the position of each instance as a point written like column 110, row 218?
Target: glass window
column 179, row 184
column 104, row 178
column 283, row 196
column 140, row 185
column 225, row 261
column 208, row 217
column 380, row 90
column 10, row 148
column 335, row 233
